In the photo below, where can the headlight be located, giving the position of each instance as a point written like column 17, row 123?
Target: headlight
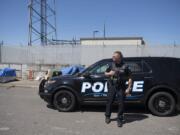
column 45, row 91
column 51, row 81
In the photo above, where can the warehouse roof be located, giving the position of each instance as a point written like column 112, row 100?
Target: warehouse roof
column 112, row 38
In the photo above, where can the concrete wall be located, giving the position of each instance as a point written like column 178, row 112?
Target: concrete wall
column 40, row 59
column 40, row 55
column 79, row 54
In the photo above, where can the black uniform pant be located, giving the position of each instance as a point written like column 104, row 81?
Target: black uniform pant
column 113, row 91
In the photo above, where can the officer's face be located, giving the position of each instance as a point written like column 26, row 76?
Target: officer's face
column 116, row 58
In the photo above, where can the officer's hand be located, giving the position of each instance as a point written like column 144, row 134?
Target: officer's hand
column 109, row 74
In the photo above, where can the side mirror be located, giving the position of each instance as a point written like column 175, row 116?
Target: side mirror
column 87, row 75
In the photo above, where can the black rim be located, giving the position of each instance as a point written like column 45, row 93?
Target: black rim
column 162, row 104
column 64, row 101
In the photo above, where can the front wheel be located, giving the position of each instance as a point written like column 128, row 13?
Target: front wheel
column 64, row 101
column 162, row 104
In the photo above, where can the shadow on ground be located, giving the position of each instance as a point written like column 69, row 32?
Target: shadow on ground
column 131, row 117
column 129, row 108
column 133, row 112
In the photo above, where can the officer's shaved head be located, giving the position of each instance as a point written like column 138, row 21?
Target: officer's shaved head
column 117, row 56
column 119, row 53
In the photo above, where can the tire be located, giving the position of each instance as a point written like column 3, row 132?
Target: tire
column 64, row 101
column 162, row 104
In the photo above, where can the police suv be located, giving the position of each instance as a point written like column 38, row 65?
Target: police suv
column 156, row 84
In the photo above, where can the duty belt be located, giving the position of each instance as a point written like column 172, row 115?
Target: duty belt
column 114, row 80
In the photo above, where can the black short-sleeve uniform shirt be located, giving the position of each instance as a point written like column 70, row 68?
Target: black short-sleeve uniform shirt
column 122, row 73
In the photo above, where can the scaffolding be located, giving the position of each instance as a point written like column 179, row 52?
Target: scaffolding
column 42, row 22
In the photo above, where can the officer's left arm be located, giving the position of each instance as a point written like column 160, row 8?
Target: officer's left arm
column 129, row 74
column 128, row 90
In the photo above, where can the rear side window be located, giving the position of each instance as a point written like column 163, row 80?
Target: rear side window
column 134, row 66
column 138, row 66
column 146, row 67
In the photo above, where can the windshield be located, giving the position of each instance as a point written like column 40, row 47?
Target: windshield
column 98, row 68
column 88, row 68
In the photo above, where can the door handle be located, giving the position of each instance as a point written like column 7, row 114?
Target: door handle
column 148, row 77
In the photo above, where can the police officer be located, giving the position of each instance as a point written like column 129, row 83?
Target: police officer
column 118, row 74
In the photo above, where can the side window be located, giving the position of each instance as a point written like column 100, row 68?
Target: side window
column 135, row 67
column 138, row 66
column 100, row 69
column 146, row 67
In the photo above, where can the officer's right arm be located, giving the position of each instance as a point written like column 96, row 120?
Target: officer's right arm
column 110, row 73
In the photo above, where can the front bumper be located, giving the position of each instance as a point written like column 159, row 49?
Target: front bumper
column 48, row 97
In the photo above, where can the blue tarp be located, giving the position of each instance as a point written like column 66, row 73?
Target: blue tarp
column 7, row 72
column 71, row 70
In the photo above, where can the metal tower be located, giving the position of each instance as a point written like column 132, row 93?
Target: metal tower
column 42, row 22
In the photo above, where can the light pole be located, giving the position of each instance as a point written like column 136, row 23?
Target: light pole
column 94, row 33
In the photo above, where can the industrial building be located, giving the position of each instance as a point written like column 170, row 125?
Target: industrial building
column 112, row 41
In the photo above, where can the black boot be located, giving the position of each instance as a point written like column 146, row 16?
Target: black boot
column 123, row 119
column 119, row 123
column 107, row 120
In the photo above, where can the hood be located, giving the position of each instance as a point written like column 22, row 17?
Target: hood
column 62, row 77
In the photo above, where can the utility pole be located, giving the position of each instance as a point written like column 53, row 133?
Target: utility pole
column 104, row 31
column 42, row 22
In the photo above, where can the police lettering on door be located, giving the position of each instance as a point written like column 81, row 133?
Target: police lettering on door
column 99, row 87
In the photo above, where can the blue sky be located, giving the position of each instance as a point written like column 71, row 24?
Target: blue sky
column 158, row 21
